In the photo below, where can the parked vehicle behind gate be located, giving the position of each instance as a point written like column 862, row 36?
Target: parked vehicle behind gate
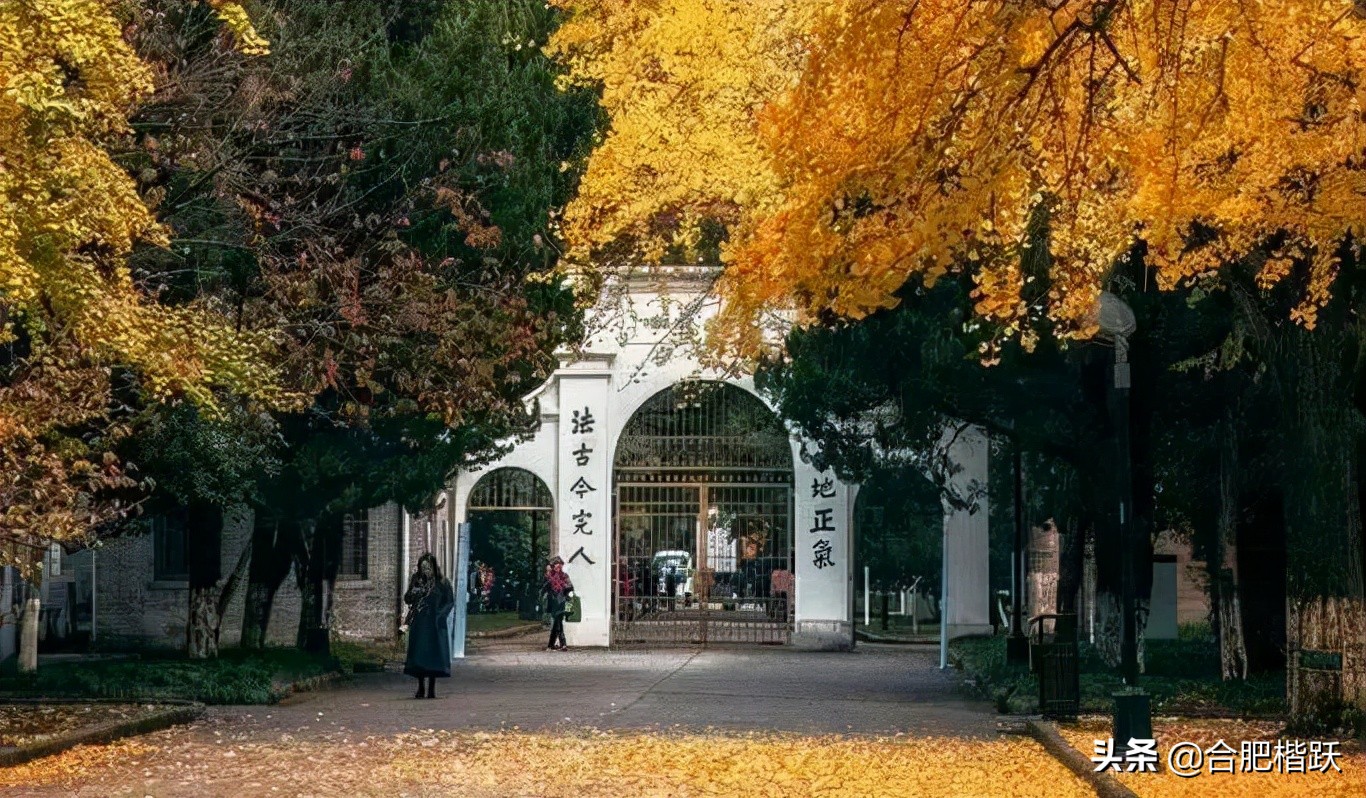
column 674, row 569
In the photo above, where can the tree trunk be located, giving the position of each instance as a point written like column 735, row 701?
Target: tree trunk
column 202, row 632
column 1071, row 565
column 28, row 631
column 1325, row 611
column 230, row 588
column 1099, row 489
column 204, row 539
column 1043, row 556
column 1108, row 632
column 1224, row 592
column 208, row 606
column 273, row 541
column 316, row 568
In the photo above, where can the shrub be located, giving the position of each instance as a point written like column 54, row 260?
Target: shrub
column 235, row 677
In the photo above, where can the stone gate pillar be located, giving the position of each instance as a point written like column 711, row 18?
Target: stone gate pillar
column 583, row 497
column 967, row 584
column 823, row 536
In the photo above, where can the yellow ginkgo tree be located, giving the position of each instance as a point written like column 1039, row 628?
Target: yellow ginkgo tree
column 923, row 137
column 683, row 83
column 70, row 309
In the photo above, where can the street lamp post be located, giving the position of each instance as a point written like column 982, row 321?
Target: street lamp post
column 1133, row 712
column 1017, row 644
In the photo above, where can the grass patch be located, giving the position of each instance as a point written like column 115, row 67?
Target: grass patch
column 366, row 656
column 493, row 621
column 236, row 676
column 1182, row 676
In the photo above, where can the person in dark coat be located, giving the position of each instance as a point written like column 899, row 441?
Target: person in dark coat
column 430, row 600
column 752, row 569
column 557, row 589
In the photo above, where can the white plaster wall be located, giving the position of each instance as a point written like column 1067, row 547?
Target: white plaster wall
column 584, row 500
column 538, row 455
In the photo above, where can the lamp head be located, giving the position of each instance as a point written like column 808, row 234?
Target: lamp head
column 1114, row 317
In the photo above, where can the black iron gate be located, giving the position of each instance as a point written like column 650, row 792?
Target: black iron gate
column 703, row 521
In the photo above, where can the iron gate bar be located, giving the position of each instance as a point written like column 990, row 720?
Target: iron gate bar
column 699, row 469
column 510, row 489
column 715, row 509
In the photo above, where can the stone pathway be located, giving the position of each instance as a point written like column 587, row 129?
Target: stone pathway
column 873, row 690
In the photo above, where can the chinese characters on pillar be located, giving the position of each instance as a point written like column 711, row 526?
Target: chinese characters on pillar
column 581, row 426
column 823, row 522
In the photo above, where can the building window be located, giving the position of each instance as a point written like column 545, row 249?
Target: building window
column 355, row 546
column 16, row 587
column 169, row 563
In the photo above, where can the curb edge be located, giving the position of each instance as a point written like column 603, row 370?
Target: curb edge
column 103, row 733
column 1105, row 785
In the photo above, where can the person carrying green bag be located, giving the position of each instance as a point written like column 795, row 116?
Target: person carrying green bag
column 558, row 590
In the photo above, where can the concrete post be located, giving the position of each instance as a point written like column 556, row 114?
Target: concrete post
column 459, row 615
column 825, row 576
column 967, row 609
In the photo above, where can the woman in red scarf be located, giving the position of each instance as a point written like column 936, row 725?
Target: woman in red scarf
column 557, row 589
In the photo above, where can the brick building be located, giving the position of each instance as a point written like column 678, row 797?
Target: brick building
column 142, row 593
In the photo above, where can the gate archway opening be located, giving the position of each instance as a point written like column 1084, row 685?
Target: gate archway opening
column 509, row 512
column 703, row 546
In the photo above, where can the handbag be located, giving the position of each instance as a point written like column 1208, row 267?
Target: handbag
column 573, row 611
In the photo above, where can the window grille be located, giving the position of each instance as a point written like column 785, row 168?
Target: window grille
column 170, row 548
column 355, row 546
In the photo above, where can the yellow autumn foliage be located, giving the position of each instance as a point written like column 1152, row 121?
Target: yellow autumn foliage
column 683, row 83
column 235, row 18
column 71, row 216
column 915, row 139
column 572, row 762
column 1347, row 778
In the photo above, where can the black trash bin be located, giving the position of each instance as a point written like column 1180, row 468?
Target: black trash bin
column 1055, row 660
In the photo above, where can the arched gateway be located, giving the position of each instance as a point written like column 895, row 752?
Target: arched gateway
column 510, row 511
column 703, row 523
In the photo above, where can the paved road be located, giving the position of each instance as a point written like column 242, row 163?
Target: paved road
column 875, row 689
column 370, row 737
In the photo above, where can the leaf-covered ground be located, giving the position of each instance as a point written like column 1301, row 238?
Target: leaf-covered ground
column 24, row 724
column 584, row 763
column 1350, row 783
